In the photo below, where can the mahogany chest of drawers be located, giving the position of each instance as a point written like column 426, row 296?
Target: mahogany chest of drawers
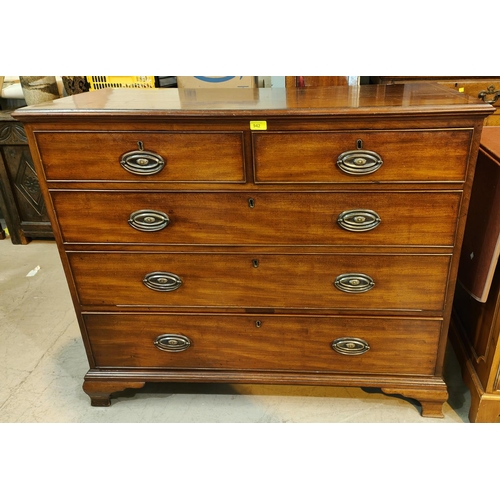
column 303, row 236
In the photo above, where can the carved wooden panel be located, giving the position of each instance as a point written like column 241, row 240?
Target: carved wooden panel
column 12, row 133
column 21, row 201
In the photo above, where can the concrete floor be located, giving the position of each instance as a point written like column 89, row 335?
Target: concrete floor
column 43, row 362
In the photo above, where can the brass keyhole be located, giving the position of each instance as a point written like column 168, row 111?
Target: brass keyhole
column 258, row 324
column 251, row 202
column 255, row 263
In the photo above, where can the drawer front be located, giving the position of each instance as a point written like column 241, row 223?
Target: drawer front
column 187, row 157
column 382, row 282
column 407, row 156
column 407, row 218
column 234, row 342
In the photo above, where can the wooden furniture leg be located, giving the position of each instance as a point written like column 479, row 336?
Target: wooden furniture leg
column 100, row 391
column 431, row 400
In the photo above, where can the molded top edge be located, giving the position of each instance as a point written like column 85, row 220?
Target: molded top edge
column 343, row 100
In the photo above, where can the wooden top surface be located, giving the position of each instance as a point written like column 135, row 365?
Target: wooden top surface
column 421, row 98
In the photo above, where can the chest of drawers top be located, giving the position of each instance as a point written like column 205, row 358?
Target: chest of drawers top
column 424, row 98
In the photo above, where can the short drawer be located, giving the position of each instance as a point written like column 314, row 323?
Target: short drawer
column 340, row 218
column 386, row 156
column 238, row 342
column 322, row 281
column 138, row 156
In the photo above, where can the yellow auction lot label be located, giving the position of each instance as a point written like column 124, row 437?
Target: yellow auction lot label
column 255, row 125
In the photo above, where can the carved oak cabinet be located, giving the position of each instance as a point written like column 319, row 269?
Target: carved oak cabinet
column 21, row 201
column 282, row 236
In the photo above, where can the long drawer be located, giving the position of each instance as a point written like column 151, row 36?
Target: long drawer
column 187, row 157
column 229, row 280
column 386, row 156
column 238, row 342
column 285, row 218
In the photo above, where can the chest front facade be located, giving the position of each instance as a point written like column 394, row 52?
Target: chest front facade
column 321, row 250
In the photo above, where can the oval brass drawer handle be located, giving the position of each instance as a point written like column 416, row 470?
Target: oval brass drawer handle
column 172, row 342
column 359, row 220
column 350, row 346
column 142, row 162
column 161, row 281
column 354, row 283
column 359, row 162
column 148, row 220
